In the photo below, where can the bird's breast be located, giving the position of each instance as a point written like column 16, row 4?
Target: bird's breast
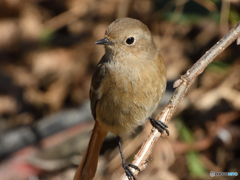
column 130, row 94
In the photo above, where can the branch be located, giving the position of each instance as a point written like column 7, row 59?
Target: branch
column 182, row 86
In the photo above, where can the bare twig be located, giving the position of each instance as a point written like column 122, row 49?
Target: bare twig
column 182, row 86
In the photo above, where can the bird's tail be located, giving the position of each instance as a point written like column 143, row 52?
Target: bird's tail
column 88, row 166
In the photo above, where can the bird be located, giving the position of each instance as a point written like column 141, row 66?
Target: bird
column 126, row 88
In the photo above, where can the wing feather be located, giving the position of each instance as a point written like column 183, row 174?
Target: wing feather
column 97, row 78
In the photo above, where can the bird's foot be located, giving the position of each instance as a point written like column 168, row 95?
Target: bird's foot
column 159, row 125
column 126, row 166
column 128, row 171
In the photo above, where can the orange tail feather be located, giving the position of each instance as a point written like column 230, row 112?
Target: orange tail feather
column 88, row 166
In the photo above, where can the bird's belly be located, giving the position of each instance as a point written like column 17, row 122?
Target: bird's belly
column 127, row 104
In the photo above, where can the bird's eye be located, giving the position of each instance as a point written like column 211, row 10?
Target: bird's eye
column 130, row 40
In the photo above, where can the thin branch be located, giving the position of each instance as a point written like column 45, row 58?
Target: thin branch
column 182, row 86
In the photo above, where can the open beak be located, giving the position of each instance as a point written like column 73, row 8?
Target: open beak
column 104, row 41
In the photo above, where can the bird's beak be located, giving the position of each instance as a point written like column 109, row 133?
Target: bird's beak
column 104, row 41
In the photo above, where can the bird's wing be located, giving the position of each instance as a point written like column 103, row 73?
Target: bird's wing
column 97, row 78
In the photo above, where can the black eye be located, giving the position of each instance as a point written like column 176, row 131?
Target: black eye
column 130, row 40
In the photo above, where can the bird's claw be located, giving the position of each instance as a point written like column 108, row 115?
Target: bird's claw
column 159, row 125
column 128, row 171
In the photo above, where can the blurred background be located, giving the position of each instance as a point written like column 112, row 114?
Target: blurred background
column 48, row 56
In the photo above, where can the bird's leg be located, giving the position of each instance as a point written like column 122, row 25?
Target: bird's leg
column 126, row 166
column 159, row 125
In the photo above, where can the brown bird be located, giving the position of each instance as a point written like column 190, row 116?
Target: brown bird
column 126, row 89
